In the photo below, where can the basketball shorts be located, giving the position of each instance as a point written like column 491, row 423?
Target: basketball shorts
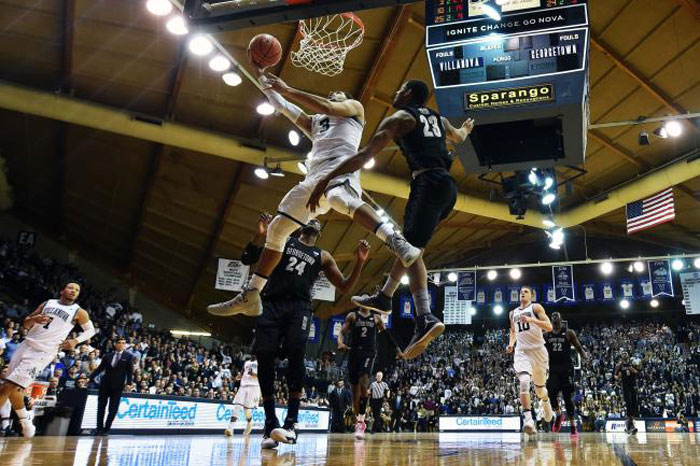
column 433, row 196
column 26, row 364
column 560, row 381
column 346, row 188
column 535, row 362
column 360, row 363
column 283, row 326
column 247, row 396
column 630, row 396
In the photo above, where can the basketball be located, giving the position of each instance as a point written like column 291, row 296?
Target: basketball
column 265, row 50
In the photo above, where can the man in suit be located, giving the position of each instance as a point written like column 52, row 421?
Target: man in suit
column 118, row 367
column 340, row 399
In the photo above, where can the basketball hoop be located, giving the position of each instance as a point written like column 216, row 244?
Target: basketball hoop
column 326, row 41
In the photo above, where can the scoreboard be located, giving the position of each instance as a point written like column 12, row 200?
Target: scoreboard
column 523, row 78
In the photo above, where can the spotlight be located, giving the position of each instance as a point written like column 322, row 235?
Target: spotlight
column 404, row 280
column 200, row 45
column 630, row 268
column 277, row 171
column 219, row 63
column 515, row 274
column 654, row 303
column 548, row 198
column 532, row 178
column 159, row 7
column 677, row 264
column 491, row 12
column 380, row 212
column 261, row 172
column 558, row 236
column 554, row 245
column 549, row 223
column 661, row 132
column 472, row 310
column 548, row 182
column 369, row 164
column 452, row 277
column 294, row 138
column 638, row 266
column 302, row 167
column 232, row 78
column 498, row 309
column 491, row 275
column 265, row 108
column 176, row 25
column 624, row 304
column 606, row 268
column 643, row 139
column 696, row 262
column 673, row 128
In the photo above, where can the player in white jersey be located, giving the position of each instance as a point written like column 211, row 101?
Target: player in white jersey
column 247, row 398
column 335, row 131
column 531, row 360
column 48, row 325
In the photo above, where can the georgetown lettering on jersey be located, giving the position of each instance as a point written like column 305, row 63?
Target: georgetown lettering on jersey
column 301, row 255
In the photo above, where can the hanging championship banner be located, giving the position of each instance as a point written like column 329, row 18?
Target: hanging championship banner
column 497, row 295
column 588, row 291
column 608, row 293
column 455, row 311
column 627, row 290
column 660, row 277
column 550, row 295
column 481, row 296
column 314, row 329
column 514, row 295
column 466, row 286
column 690, row 283
column 535, row 293
column 336, row 326
column 386, row 318
column 563, row 281
column 644, row 288
column 406, row 307
column 433, row 298
column 323, row 290
column 231, row 275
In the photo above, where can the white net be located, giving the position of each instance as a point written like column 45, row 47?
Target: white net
column 326, row 41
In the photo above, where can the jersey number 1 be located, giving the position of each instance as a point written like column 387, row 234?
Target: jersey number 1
column 294, row 267
column 431, row 128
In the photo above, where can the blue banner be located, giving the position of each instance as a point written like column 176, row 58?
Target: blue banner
column 386, row 318
column 627, row 290
column 481, row 296
column 563, row 282
column 535, row 293
column 660, row 277
column 466, row 286
column 645, row 288
column 549, row 295
column 608, row 292
column 406, row 307
column 433, row 298
column 336, row 325
column 497, row 295
column 514, row 295
column 589, row 292
column 314, row 330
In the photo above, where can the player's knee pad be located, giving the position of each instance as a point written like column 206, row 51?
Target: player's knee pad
column 343, row 200
column 278, row 231
column 541, row 392
column 525, row 380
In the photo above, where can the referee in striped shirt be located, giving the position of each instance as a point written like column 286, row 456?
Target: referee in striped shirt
column 377, row 389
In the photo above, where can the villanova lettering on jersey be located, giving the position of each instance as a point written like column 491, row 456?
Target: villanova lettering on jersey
column 56, row 312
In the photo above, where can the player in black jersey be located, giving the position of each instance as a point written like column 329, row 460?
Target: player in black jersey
column 421, row 133
column 286, row 319
column 561, row 370
column 363, row 326
column 626, row 372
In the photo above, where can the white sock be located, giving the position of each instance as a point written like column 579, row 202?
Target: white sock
column 384, row 231
column 361, row 418
column 257, row 282
column 528, row 415
column 22, row 413
column 390, row 286
column 421, row 299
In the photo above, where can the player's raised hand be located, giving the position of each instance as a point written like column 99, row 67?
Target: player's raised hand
column 468, row 125
column 40, row 319
column 317, row 194
column 526, row 319
column 277, row 84
column 362, row 250
column 263, row 221
column 69, row 344
column 343, row 347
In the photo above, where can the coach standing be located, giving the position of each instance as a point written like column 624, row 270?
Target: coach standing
column 118, row 367
column 377, row 389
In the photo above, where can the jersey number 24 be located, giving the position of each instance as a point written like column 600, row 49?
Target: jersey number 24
column 295, row 265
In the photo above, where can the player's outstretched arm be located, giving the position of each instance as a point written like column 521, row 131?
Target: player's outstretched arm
column 253, row 250
column 511, row 338
column 573, row 339
column 458, row 135
column 336, row 277
column 83, row 319
column 349, row 320
column 395, row 126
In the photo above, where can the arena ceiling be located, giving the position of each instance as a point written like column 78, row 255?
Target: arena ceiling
column 160, row 210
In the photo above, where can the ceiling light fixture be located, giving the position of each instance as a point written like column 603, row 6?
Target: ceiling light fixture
column 176, row 25
column 232, row 78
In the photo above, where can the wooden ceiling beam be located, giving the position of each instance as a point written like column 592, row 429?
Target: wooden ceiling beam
column 693, row 7
column 213, row 239
column 398, row 23
column 618, row 150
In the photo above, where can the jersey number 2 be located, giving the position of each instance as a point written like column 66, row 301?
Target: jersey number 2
column 364, row 332
column 295, row 265
column 431, row 128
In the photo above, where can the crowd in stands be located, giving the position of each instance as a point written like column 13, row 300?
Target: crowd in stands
column 462, row 373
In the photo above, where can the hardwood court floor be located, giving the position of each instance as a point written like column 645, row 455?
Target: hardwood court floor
column 342, row 450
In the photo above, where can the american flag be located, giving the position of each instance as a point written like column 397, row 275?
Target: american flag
column 654, row 210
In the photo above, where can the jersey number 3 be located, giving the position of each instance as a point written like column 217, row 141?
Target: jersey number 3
column 295, row 265
column 431, row 128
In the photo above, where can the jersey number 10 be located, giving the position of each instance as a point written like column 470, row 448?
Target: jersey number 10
column 522, row 327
